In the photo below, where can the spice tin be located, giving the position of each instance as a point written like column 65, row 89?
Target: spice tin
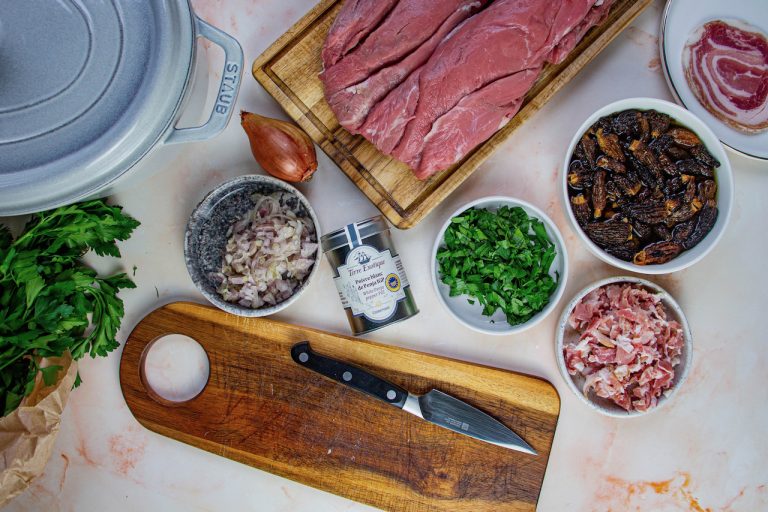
column 369, row 275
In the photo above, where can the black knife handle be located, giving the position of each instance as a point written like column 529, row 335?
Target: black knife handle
column 349, row 375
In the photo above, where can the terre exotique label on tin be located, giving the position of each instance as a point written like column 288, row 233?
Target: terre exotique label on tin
column 370, row 282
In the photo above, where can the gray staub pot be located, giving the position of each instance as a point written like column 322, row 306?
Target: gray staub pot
column 91, row 87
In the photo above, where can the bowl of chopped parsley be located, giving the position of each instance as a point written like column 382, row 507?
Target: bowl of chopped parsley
column 499, row 265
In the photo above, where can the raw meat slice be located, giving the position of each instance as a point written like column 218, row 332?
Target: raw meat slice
column 508, row 37
column 482, row 113
column 406, row 27
column 355, row 21
column 474, row 119
column 353, row 103
column 501, row 27
column 726, row 67
column 436, row 78
column 387, row 120
column 595, row 16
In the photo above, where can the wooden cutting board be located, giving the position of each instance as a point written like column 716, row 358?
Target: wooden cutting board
column 262, row 409
column 289, row 69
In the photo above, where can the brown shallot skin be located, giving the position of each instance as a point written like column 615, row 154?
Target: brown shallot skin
column 643, row 169
column 282, row 149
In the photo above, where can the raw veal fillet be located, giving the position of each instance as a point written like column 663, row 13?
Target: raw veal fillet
column 595, row 16
column 355, row 21
column 726, row 67
column 403, row 42
column 458, row 77
column 407, row 26
column 479, row 114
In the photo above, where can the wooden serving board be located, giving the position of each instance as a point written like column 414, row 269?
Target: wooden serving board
column 262, row 409
column 289, row 69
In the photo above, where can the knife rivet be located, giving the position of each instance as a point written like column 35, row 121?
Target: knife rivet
column 391, row 394
column 303, row 357
column 347, row 376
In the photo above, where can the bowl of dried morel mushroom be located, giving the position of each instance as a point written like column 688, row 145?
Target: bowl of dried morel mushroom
column 647, row 186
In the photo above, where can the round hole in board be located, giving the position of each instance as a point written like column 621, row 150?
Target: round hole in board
column 175, row 368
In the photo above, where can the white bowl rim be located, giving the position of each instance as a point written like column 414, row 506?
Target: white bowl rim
column 668, row 300
column 695, row 124
column 559, row 244
column 237, row 309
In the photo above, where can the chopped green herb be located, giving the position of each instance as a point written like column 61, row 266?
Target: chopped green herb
column 50, row 302
column 502, row 259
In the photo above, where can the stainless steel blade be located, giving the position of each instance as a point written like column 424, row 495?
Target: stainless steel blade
column 451, row 413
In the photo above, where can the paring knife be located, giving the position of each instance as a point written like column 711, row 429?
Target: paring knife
column 435, row 406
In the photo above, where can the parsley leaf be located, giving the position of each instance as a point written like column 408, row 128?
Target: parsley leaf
column 500, row 259
column 50, row 302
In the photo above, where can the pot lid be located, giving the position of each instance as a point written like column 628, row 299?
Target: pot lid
column 89, row 86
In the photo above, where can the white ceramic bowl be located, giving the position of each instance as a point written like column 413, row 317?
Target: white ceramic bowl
column 471, row 315
column 723, row 174
column 576, row 382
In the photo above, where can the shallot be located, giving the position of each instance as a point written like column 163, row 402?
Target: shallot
column 282, row 149
column 269, row 253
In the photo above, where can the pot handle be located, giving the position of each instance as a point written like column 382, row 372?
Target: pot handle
column 231, row 76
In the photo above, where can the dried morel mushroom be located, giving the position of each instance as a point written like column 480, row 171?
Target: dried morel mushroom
column 643, row 187
column 581, row 210
column 609, row 145
column 684, row 137
column 659, row 252
column 610, row 234
column 704, row 224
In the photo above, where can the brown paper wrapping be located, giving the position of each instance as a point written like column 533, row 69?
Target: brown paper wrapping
column 27, row 434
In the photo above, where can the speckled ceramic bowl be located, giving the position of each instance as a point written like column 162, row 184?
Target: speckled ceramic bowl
column 576, row 382
column 206, row 236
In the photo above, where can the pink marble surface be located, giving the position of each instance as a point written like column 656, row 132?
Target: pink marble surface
column 706, row 451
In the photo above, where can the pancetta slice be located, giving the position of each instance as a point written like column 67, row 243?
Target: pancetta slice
column 726, row 67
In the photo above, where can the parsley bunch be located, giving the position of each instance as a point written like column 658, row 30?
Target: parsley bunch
column 501, row 259
column 50, row 302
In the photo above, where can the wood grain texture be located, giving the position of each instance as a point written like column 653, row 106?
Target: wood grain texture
column 262, row 409
column 289, row 69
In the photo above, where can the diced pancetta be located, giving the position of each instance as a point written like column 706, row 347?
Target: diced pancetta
column 627, row 348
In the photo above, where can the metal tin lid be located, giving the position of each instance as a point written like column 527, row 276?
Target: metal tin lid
column 89, row 86
column 364, row 229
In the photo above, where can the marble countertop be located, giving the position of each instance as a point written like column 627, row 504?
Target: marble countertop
column 705, row 451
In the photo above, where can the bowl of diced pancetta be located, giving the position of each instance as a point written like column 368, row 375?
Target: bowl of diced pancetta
column 624, row 346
